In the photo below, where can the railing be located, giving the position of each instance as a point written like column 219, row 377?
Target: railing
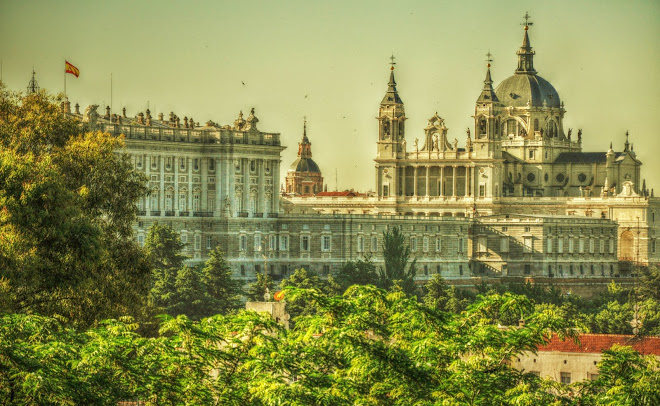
column 202, row 214
column 141, row 213
column 155, row 213
column 183, row 214
column 170, row 213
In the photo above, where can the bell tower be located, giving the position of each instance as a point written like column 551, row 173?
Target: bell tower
column 391, row 121
column 391, row 138
column 486, row 120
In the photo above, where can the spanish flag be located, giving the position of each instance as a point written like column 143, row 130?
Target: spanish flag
column 71, row 69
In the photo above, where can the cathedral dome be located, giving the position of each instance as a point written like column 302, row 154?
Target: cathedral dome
column 521, row 90
column 304, row 165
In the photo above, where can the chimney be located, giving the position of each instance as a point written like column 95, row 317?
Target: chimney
column 77, row 108
column 141, row 118
column 160, row 116
column 107, row 112
column 148, row 117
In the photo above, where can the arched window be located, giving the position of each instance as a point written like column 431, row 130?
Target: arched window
column 183, row 199
column 154, row 199
column 196, row 199
column 169, row 198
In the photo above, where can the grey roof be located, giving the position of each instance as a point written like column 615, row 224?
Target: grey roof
column 520, row 88
column 584, row 157
column 304, row 165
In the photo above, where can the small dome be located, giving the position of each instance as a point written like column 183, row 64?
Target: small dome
column 304, row 165
column 518, row 89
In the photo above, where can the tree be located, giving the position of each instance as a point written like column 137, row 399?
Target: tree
column 223, row 292
column 67, row 203
column 396, row 254
column 163, row 247
column 442, row 296
column 360, row 272
column 302, row 279
column 257, row 290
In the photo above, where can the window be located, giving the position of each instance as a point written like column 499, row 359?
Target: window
column 243, row 243
column 549, row 246
column 198, row 242
column 571, row 246
column 425, row 244
column 560, row 245
column 504, row 244
column 209, row 242
column 184, row 238
column 182, row 165
column 243, row 270
column 527, row 269
column 653, row 246
column 196, row 164
column 154, row 162
column 581, row 245
column 182, row 200
column 413, row 244
column 528, row 244
column 211, row 164
column 505, row 229
column 481, row 244
column 374, row 244
column 531, row 156
column 460, row 269
column 460, row 246
column 257, row 242
column 140, row 240
column 139, row 161
column 195, row 200
column 304, row 243
column 438, row 244
column 611, row 246
column 326, row 241
column 272, row 242
column 169, row 198
column 565, row 377
column 253, row 165
column 426, row 269
column 482, row 190
column 592, row 246
column 601, row 246
column 360, row 243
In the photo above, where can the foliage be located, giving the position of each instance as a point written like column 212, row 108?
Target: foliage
column 257, row 290
column 223, row 293
column 439, row 295
column 67, row 204
column 396, row 254
column 302, row 279
column 360, row 272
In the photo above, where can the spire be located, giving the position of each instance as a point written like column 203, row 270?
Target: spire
column 305, row 147
column 305, row 140
column 33, row 86
column 488, row 94
column 392, row 96
column 525, row 53
column 626, row 145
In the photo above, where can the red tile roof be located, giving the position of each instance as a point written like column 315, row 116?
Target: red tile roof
column 596, row 343
column 349, row 193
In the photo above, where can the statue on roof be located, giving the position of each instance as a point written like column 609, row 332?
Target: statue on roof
column 91, row 115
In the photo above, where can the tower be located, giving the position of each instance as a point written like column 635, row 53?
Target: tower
column 486, row 122
column 391, row 138
column 304, row 176
column 33, row 86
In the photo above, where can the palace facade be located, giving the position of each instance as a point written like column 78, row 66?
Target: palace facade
column 519, row 199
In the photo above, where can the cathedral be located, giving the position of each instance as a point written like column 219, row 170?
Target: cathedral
column 517, row 199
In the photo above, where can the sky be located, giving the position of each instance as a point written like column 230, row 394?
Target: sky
column 329, row 61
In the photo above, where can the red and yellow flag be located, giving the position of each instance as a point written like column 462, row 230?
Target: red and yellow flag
column 278, row 295
column 71, row 69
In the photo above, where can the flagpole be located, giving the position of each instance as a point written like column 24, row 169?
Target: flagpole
column 65, row 78
column 110, row 91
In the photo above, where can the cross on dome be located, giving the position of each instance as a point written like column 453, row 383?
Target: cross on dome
column 527, row 22
column 392, row 63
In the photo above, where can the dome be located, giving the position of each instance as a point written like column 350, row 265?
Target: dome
column 519, row 89
column 304, row 165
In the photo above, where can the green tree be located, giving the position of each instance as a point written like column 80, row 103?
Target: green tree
column 163, row 247
column 439, row 295
column 360, row 272
column 68, row 202
column 223, row 292
column 257, row 289
column 398, row 268
column 302, row 279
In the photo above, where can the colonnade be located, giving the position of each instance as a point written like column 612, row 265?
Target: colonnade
column 462, row 184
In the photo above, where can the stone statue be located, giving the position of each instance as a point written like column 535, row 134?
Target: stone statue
column 468, row 142
column 570, row 131
column 91, row 115
column 580, row 135
column 468, row 132
column 416, row 145
column 403, row 145
column 455, row 144
column 435, row 142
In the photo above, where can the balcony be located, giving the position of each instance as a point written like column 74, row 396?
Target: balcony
column 154, row 213
column 242, row 214
column 272, row 215
column 141, row 213
column 169, row 213
column 258, row 215
column 202, row 214
column 183, row 214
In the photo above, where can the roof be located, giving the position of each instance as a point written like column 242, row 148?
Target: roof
column 584, row 157
column 520, row 89
column 304, row 165
column 344, row 193
column 597, row 343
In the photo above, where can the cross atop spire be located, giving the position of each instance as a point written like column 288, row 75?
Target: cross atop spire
column 527, row 23
column 488, row 58
column 392, row 62
column 392, row 96
column 33, row 87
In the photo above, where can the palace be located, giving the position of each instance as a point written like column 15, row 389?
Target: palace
column 519, row 199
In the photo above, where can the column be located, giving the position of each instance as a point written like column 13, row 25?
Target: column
column 427, row 181
column 442, row 181
column 175, row 202
column 275, row 167
column 415, row 182
column 203, row 176
column 453, row 181
column 189, row 165
column 472, row 176
column 161, row 166
column 467, row 182
column 403, row 181
column 246, row 184
column 219, row 203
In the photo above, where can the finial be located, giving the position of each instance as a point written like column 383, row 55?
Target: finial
column 488, row 58
column 527, row 22
column 392, row 62
column 610, row 144
column 304, row 126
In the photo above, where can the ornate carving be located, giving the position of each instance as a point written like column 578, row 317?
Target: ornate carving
column 91, row 115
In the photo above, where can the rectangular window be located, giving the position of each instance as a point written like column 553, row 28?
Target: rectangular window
column 482, row 190
column 168, row 162
column 481, row 244
column 139, row 161
column 209, row 242
column 549, row 246
column 611, row 246
column 243, row 243
column 257, row 242
column 565, row 377
column 196, row 164
column 272, row 242
column 326, row 241
column 527, row 269
column 154, row 162
column 504, row 244
column 653, row 246
column 413, row 244
column 459, row 247
column 184, row 239
column 528, row 244
column 571, row 246
column 374, row 244
column 425, row 244
column 198, row 242
column 284, row 243
column 438, row 244
column 592, row 246
column 211, row 164
column 360, row 243
column 140, row 240
column 531, row 154
column 182, row 163
column 304, row 243
column 560, row 245
column 601, row 246
column 581, row 245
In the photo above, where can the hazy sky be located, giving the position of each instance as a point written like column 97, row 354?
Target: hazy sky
column 329, row 61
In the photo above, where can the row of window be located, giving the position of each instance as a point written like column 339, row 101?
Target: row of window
column 170, row 161
column 528, row 245
column 305, row 243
